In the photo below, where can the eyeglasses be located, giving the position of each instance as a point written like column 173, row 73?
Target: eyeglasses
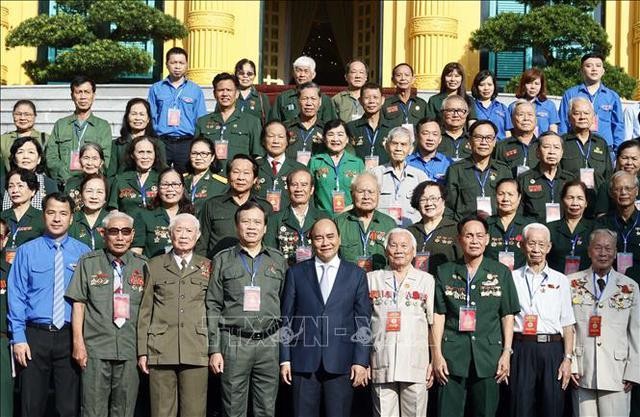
column 170, row 185
column 23, row 114
column 202, row 155
column 114, row 231
column 624, row 188
column 459, row 112
column 246, row 74
column 90, row 158
column 486, row 139
column 429, row 200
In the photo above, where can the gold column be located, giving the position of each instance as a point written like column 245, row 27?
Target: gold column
column 4, row 29
column 211, row 29
column 634, row 59
column 432, row 35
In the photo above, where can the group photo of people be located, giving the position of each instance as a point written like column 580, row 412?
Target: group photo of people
column 370, row 253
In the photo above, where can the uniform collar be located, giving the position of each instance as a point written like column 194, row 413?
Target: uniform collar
column 51, row 241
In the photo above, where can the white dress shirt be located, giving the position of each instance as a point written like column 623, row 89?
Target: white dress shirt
column 179, row 259
column 333, row 266
column 549, row 299
column 280, row 161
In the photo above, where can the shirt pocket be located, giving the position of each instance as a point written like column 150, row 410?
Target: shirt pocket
column 232, row 283
column 42, row 276
column 199, row 287
column 64, row 145
column 165, row 289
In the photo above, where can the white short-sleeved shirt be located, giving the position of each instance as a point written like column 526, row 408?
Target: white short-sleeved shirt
column 398, row 191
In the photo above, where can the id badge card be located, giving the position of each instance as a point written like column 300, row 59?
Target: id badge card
column 552, row 212
column 467, row 321
column 595, row 323
column 273, row 197
column 484, row 204
column 587, row 177
column 507, row 259
column 303, row 253
column 530, row 324
column 393, row 321
column 371, row 161
column 337, row 201
column 173, row 117
column 251, row 299
column 221, row 148
column 365, row 262
column 10, row 254
column 412, row 131
column 521, row 169
column 395, row 212
column 303, row 157
column 74, row 161
column 624, row 261
column 571, row 264
column 421, row 261
column 121, row 306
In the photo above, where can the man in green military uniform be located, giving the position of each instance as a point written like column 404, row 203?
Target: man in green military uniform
column 6, row 377
column 275, row 167
column 369, row 133
column 286, row 106
column 106, row 290
column 288, row 230
column 520, row 151
column 243, row 312
column 542, row 185
column 471, row 183
column 347, row 103
column 70, row 133
column 404, row 107
column 363, row 229
column 304, row 133
column 475, row 304
column 455, row 139
column 216, row 216
column 230, row 129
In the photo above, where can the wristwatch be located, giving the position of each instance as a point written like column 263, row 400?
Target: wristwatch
column 508, row 350
column 568, row 356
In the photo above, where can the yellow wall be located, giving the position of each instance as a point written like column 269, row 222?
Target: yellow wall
column 12, row 14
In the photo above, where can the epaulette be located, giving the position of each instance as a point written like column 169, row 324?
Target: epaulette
column 220, row 178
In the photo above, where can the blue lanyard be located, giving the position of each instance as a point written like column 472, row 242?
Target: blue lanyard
column 525, row 151
column 395, row 289
column 80, row 134
column 482, row 181
column 574, row 241
column 143, row 191
column 301, row 235
column 469, row 281
column 93, row 236
column 364, row 238
column 256, row 264
column 552, row 184
column 336, row 170
column 178, row 93
column 305, row 138
column 456, row 146
column 397, row 183
column 194, row 188
column 14, row 231
column 531, row 295
column 405, row 109
column 588, row 154
column 507, row 237
column 625, row 236
column 427, row 238
column 596, row 288
column 372, row 140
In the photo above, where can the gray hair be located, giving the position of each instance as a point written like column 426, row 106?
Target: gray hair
column 454, row 97
column 186, row 217
column 305, row 62
column 619, row 174
column 522, row 102
column 399, row 131
column 361, row 176
column 606, row 232
column 579, row 99
column 536, row 226
column 400, row 231
column 115, row 215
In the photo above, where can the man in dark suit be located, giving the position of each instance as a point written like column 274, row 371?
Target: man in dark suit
column 326, row 334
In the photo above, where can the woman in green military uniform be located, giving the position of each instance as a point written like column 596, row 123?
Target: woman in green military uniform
column 137, row 186
column 24, row 221
column 505, row 227
column 334, row 170
column 24, row 118
column 152, row 225
column 6, row 379
column 201, row 182
column 87, row 221
column 251, row 101
column 570, row 234
column 91, row 163
column 435, row 234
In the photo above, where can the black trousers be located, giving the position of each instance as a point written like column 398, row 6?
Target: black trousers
column 177, row 152
column 334, row 391
column 534, row 389
column 50, row 357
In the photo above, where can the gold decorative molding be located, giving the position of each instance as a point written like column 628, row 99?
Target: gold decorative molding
column 428, row 82
column 636, row 32
column 210, row 20
column 433, row 26
column 4, row 17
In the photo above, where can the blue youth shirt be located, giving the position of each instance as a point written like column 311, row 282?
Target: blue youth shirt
column 546, row 114
column 608, row 108
column 31, row 281
column 497, row 113
column 188, row 99
column 435, row 168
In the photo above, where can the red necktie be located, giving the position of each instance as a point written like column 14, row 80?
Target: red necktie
column 274, row 167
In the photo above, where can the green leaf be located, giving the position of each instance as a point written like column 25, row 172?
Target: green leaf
column 60, row 31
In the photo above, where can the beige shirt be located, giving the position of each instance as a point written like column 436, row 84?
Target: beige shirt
column 401, row 356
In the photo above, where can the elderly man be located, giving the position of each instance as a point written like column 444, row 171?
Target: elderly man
column 243, row 312
column 471, row 183
column 585, row 153
column 304, row 132
column 455, row 139
column 397, row 179
column 624, row 219
column 402, row 299
column 543, row 332
column 607, row 309
column 286, row 106
column 426, row 156
column 519, row 151
column 347, row 103
column 288, row 230
column 475, row 304
column 363, row 228
column 39, row 316
column 172, row 331
column 325, row 339
column 106, row 290
column 542, row 185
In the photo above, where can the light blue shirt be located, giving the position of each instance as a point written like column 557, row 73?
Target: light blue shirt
column 31, row 281
column 608, row 109
column 498, row 113
column 632, row 121
column 188, row 98
column 435, row 168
